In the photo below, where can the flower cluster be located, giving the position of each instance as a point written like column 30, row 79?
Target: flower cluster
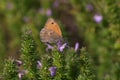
column 21, row 73
column 61, row 46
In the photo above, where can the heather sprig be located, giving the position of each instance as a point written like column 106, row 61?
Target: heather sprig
column 29, row 55
column 10, row 71
column 86, row 70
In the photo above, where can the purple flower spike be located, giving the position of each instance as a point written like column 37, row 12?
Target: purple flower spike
column 49, row 12
column 61, row 48
column 76, row 46
column 89, row 7
column 53, row 71
column 39, row 64
column 49, row 47
column 98, row 18
column 18, row 62
column 21, row 73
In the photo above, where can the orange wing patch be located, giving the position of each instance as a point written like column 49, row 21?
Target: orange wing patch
column 51, row 24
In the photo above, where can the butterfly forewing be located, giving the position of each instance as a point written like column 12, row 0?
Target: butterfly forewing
column 52, row 24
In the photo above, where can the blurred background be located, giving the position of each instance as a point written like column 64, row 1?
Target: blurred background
column 95, row 24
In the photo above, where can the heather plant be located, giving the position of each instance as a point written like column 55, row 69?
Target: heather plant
column 57, row 63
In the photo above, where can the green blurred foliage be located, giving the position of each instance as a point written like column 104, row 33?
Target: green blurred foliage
column 77, row 23
column 102, row 39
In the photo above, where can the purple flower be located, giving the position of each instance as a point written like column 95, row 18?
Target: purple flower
column 10, row 6
column 53, row 71
column 59, row 44
column 41, row 11
column 56, row 4
column 48, row 12
column 76, row 46
column 98, row 18
column 49, row 47
column 90, row 7
column 26, row 19
column 21, row 73
column 39, row 64
column 18, row 62
column 61, row 48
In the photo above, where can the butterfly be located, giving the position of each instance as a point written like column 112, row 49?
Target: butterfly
column 51, row 32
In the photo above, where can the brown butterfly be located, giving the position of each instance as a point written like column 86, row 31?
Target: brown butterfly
column 51, row 32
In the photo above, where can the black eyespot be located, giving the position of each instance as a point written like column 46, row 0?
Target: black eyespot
column 52, row 23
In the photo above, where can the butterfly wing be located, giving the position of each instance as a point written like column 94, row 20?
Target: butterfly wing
column 50, row 36
column 51, row 33
column 51, row 24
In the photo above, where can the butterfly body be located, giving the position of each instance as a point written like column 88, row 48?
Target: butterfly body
column 51, row 32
